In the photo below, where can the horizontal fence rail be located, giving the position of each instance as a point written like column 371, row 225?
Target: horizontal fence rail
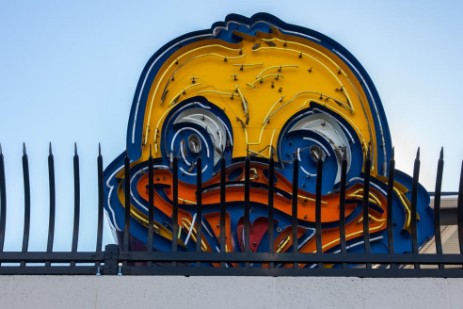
column 122, row 259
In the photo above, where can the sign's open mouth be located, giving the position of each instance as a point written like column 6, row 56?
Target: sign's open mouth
column 259, row 191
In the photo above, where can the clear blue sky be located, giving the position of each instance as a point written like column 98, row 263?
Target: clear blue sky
column 68, row 74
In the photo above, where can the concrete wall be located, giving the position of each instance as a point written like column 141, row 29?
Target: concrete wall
column 227, row 292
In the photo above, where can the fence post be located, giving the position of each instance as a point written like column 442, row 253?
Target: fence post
column 111, row 258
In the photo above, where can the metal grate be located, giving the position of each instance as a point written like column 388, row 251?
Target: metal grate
column 123, row 260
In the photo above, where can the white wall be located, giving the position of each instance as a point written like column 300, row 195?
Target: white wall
column 227, row 292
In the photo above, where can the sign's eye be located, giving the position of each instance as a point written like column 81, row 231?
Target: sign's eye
column 196, row 129
column 315, row 135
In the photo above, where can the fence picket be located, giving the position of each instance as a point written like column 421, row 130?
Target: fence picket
column 27, row 202
column 437, row 204
column 75, row 228
column 414, row 217
column 2, row 200
column 365, row 205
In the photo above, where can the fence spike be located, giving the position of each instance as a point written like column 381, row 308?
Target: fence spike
column 414, row 200
column 99, row 234
column 437, row 205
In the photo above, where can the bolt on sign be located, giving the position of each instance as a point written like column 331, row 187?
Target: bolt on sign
column 236, row 130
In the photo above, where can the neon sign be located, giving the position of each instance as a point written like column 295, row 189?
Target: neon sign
column 258, row 88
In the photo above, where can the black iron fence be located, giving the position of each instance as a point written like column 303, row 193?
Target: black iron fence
column 120, row 259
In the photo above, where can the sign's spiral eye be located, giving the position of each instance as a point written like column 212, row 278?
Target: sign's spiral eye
column 317, row 135
column 197, row 129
